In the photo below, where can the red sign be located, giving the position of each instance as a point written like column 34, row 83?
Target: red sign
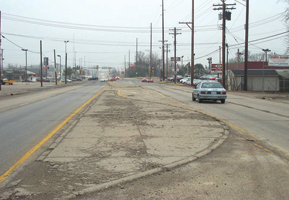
column 153, row 68
column 131, row 66
column 45, row 67
column 217, row 67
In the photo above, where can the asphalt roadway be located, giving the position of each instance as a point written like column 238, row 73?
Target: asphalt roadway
column 123, row 134
column 116, row 139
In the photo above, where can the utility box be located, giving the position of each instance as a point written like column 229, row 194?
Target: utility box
column 228, row 15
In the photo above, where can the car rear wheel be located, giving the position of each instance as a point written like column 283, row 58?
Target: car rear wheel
column 199, row 100
column 194, row 99
column 222, row 100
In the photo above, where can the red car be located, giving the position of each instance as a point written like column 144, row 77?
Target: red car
column 111, row 79
column 147, row 80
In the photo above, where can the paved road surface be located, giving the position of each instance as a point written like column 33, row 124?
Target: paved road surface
column 25, row 126
column 267, row 120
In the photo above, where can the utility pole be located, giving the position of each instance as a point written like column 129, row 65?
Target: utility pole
column 55, row 71
column 163, row 40
column 66, row 60
column 167, row 59
column 25, row 65
column 210, row 64
column 192, row 40
column 136, row 55
column 225, row 16
column 124, row 66
column 175, row 49
column 238, row 58
column 220, row 54
column 246, row 46
column 128, row 63
column 41, row 65
column 60, row 66
column 227, row 64
column 266, row 51
column 1, row 52
column 151, row 49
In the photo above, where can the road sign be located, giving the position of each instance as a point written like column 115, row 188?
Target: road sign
column 173, row 59
column 217, row 67
column 280, row 61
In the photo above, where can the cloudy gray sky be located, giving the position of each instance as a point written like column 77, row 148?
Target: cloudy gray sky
column 103, row 32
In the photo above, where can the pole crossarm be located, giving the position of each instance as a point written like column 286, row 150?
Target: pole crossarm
column 187, row 23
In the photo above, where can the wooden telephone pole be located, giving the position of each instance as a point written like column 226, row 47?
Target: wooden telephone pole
column 225, row 16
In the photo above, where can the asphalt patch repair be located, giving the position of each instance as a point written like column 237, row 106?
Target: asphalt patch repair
column 114, row 139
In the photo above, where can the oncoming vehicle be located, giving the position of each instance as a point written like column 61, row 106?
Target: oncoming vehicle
column 148, row 80
column 209, row 90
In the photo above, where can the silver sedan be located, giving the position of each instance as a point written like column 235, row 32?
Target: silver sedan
column 209, row 90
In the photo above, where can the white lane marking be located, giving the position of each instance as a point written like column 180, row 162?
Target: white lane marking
column 130, row 82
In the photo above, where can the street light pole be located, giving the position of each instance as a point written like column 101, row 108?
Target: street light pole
column 66, row 60
column 60, row 65
column 26, row 64
column 266, row 51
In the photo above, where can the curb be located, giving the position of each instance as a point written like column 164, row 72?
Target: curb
column 167, row 167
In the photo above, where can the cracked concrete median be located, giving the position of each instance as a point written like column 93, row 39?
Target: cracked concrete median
column 120, row 136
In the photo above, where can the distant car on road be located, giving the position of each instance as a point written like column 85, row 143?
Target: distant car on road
column 93, row 78
column 103, row 80
column 209, row 90
column 148, row 80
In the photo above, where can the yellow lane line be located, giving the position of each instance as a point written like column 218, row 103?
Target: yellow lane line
column 31, row 151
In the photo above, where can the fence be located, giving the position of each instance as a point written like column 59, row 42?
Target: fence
column 284, row 85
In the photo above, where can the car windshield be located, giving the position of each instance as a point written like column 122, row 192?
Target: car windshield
column 211, row 85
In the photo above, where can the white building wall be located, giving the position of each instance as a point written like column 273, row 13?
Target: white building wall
column 271, row 84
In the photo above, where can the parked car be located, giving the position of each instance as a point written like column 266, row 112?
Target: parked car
column 93, row 78
column 103, row 80
column 179, row 77
column 9, row 82
column 144, row 80
column 196, row 82
column 185, row 80
column 171, row 78
column 209, row 90
column 208, row 77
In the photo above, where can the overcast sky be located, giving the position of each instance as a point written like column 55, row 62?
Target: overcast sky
column 103, row 32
